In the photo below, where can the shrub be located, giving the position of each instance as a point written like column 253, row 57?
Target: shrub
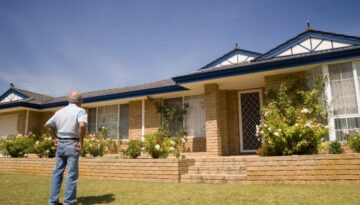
column 157, row 144
column 354, row 141
column 324, row 147
column 94, row 145
column 160, row 145
column 335, row 148
column 134, row 149
column 2, row 147
column 19, row 145
column 293, row 120
column 45, row 147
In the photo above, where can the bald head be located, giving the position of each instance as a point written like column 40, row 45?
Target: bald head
column 75, row 97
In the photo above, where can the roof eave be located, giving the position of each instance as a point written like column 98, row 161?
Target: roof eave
column 136, row 93
column 268, row 66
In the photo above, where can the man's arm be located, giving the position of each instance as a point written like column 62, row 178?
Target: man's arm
column 52, row 132
column 82, row 129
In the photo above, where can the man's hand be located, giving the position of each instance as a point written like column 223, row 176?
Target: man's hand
column 79, row 147
column 55, row 141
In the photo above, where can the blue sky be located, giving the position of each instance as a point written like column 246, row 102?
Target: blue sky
column 53, row 47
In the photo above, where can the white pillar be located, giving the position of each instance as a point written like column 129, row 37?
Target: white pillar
column 327, row 89
column 143, row 119
column 26, row 122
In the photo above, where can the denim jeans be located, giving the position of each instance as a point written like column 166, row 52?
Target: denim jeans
column 66, row 156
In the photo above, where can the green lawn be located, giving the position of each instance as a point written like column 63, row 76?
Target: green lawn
column 23, row 189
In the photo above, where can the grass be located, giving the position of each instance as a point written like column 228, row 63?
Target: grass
column 24, row 189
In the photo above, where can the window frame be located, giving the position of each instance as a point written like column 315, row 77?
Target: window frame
column 333, row 117
column 118, row 120
column 182, row 103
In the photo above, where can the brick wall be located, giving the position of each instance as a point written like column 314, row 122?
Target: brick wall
column 164, row 170
column 135, row 117
column 21, row 121
column 304, row 169
column 213, row 142
column 222, row 122
column 34, row 123
column 282, row 169
column 196, row 144
column 152, row 117
column 233, row 122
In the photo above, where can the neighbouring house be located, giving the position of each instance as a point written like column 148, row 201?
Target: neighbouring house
column 225, row 96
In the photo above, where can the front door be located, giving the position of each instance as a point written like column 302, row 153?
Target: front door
column 250, row 102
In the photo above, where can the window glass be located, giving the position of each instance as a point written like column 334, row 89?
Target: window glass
column 346, row 125
column 92, row 120
column 108, row 118
column 124, row 121
column 195, row 116
column 176, row 125
column 343, row 89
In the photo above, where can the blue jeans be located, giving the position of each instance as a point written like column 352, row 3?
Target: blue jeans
column 66, row 155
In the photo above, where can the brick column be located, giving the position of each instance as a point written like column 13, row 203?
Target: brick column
column 152, row 117
column 216, row 120
column 135, row 119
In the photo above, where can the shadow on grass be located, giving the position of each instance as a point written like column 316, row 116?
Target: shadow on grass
column 89, row 200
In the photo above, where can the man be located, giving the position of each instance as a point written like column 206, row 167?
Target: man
column 67, row 129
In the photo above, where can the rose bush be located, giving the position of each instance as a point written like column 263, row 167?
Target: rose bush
column 45, row 147
column 293, row 120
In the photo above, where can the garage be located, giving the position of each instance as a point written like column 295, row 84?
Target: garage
column 8, row 124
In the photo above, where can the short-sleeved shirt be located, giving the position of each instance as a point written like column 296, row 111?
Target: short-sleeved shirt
column 66, row 121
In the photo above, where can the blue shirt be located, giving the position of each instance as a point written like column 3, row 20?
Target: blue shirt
column 66, row 121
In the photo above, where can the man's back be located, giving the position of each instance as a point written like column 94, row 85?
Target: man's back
column 66, row 120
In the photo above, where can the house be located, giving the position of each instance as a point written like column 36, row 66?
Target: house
column 225, row 96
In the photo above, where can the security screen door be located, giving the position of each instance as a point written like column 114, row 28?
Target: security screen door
column 250, row 102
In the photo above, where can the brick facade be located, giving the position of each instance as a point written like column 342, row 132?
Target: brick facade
column 135, row 118
column 233, row 122
column 152, row 117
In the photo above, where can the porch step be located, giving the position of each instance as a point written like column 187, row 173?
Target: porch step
column 229, row 170
column 213, row 178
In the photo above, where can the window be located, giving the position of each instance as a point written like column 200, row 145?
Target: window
column 124, row 122
column 343, row 89
column 344, row 100
column 194, row 120
column 195, row 117
column 176, row 125
column 92, row 120
column 108, row 118
column 114, row 117
column 350, row 125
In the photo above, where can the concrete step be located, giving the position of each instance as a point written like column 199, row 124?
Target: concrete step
column 230, row 170
column 213, row 178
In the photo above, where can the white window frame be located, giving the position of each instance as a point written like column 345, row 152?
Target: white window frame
column 183, row 101
column 118, row 116
column 331, row 119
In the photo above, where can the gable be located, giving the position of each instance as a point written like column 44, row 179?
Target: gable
column 311, row 41
column 233, row 57
column 11, row 95
column 312, row 45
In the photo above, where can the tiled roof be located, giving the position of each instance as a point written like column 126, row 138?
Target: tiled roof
column 40, row 99
column 156, row 84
